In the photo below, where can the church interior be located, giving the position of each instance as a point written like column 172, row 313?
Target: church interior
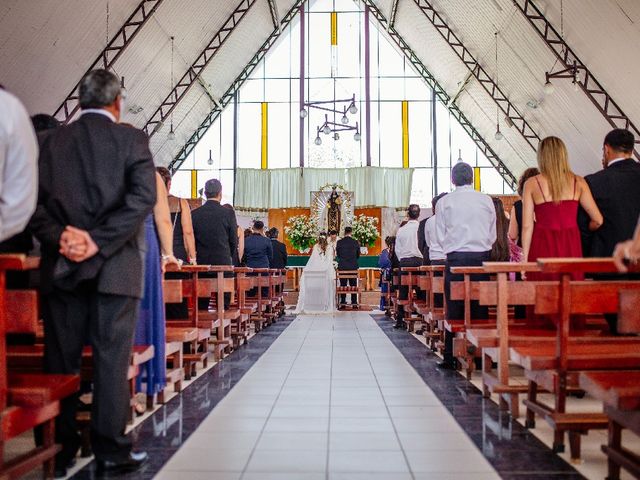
column 320, row 121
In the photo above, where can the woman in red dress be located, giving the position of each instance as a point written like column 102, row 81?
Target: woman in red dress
column 550, row 208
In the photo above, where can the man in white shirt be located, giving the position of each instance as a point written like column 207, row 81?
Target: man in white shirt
column 408, row 253
column 18, row 166
column 466, row 229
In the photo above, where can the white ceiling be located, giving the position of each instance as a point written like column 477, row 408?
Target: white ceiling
column 46, row 45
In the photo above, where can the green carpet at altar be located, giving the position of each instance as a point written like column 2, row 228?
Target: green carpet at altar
column 368, row 261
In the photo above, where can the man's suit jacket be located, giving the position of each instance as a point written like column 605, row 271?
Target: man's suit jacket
column 258, row 251
column 216, row 233
column 422, row 244
column 98, row 176
column 348, row 252
column 279, row 259
column 616, row 190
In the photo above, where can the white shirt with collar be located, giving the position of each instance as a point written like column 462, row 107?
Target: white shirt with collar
column 432, row 241
column 99, row 111
column 18, row 166
column 407, row 241
column 616, row 160
column 466, row 221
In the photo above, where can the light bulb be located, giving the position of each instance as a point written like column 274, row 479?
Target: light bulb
column 326, row 130
column 357, row 136
column 171, row 136
column 318, row 140
column 210, row 161
column 549, row 88
column 336, row 136
column 345, row 119
column 353, row 109
column 499, row 135
column 303, row 113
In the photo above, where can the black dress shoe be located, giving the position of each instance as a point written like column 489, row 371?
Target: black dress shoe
column 60, row 471
column 400, row 325
column 444, row 365
column 133, row 462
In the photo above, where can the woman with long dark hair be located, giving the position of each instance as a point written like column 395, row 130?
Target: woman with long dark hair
column 500, row 251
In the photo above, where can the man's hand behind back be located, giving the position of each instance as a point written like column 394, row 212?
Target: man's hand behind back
column 77, row 245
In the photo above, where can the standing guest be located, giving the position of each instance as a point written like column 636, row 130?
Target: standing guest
column 500, row 251
column 433, row 243
column 408, row 253
column 552, row 199
column 238, row 253
column 515, row 218
column 44, row 121
column 466, row 229
column 616, row 192
column 18, row 166
column 184, row 242
column 258, row 250
column 279, row 259
column 348, row 252
column 384, row 264
column 422, row 244
column 97, row 186
column 151, row 327
column 216, row 232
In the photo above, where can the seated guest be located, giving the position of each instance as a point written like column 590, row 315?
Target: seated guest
column 91, row 227
column 18, row 166
column 258, row 250
column 408, row 253
column 279, row 259
column 466, row 229
column 215, row 230
column 616, row 192
column 550, row 208
column 500, row 251
column 184, row 242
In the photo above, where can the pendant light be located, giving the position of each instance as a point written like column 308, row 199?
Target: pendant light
column 171, row 136
column 498, row 135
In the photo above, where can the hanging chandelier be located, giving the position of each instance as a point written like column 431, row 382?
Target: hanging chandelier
column 333, row 128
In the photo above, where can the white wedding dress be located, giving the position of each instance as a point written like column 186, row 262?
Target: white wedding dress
column 318, row 283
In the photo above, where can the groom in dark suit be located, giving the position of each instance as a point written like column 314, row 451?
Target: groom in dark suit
column 348, row 252
column 97, row 185
column 616, row 190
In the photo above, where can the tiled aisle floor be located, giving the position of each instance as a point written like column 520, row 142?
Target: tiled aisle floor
column 332, row 398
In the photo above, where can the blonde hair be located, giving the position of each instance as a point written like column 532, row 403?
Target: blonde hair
column 553, row 161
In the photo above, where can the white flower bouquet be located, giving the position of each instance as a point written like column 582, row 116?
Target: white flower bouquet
column 301, row 232
column 365, row 230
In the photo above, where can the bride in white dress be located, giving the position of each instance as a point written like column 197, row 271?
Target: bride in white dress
column 318, row 281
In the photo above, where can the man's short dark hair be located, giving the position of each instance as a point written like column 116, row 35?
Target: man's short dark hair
column 348, row 230
column 98, row 89
column 333, row 232
column 258, row 225
column 436, row 199
column 273, row 233
column 44, row 121
column 413, row 211
column 620, row 140
column 462, row 174
column 212, row 188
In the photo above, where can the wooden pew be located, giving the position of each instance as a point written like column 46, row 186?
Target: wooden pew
column 555, row 366
column 345, row 290
column 261, row 316
column 410, row 277
column 431, row 282
column 27, row 400
column 620, row 393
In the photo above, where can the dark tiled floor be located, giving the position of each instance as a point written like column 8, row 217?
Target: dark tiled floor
column 164, row 432
column 513, row 451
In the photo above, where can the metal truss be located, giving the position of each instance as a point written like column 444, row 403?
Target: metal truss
column 191, row 76
column 576, row 69
column 227, row 98
column 393, row 12
column 444, row 97
column 120, row 41
column 273, row 8
column 490, row 86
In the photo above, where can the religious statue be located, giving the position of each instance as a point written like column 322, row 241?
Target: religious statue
column 333, row 214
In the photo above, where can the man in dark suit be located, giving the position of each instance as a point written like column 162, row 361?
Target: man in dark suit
column 216, row 232
column 279, row 259
column 97, row 185
column 348, row 252
column 422, row 244
column 617, row 193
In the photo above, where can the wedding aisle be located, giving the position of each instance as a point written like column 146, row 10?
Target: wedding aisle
column 331, row 398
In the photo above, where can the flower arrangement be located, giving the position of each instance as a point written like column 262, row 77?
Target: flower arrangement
column 365, row 230
column 301, row 232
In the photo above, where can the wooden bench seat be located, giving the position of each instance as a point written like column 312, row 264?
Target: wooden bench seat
column 32, row 390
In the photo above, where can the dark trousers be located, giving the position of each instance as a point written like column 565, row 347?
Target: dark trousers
column 108, row 322
column 455, row 308
column 353, row 282
column 403, row 290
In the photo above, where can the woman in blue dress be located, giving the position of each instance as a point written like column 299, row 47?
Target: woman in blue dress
column 384, row 264
column 150, row 329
